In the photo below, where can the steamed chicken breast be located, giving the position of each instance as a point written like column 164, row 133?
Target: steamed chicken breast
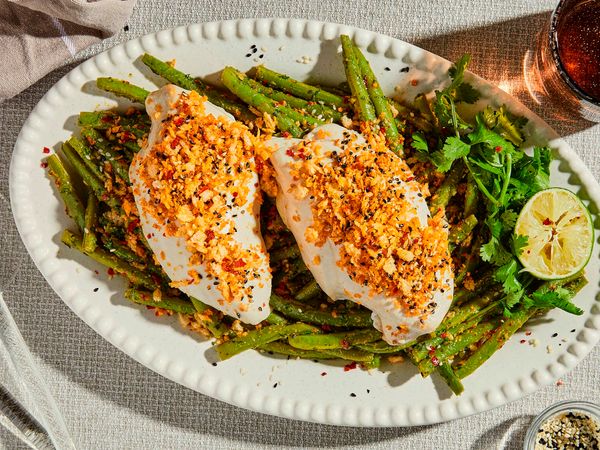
column 196, row 189
column 364, row 230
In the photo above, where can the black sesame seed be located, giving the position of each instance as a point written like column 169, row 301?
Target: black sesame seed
column 387, row 69
column 555, row 334
column 275, row 385
column 95, row 289
column 405, row 69
column 214, row 364
column 248, row 55
column 352, row 394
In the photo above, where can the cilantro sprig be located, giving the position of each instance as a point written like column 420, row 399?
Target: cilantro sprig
column 504, row 173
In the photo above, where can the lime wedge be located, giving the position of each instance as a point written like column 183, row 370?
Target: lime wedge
column 559, row 231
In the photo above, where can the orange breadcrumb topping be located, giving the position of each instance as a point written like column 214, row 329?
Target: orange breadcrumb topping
column 359, row 201
column 197, row 177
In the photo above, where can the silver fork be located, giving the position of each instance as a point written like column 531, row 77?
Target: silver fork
column 48, row 431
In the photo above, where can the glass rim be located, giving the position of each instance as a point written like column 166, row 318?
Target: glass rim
column 583, row 406
column 553, row 39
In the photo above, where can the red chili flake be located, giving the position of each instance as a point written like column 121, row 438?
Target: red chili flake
column 410, row 178
column 149, row 235
column 127, row 136
column 323, row 374
column 43, row 164
column 349, row 367
column 174, row 142
column 132, row 225
column 110, row 271
column 414, row 82
column 444, row 335
column 96, row 272
column 326, row 327
column 286, row 134
column 168, row 174
column 46, row 150
column 498, row 149
column 209, row 235
column 106, row 119
column 522, row 341
column 528, row 333
column 290, row 152
column 345, row 344
column 239, row 263
column 179, row 121
column 435, row 361
column 560, row 382
column 547, row 221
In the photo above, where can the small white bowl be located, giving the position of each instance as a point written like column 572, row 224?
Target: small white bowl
column 588, row 408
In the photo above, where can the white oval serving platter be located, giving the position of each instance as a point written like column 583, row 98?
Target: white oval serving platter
column 298, row 389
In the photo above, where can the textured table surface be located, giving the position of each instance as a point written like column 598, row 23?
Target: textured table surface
column 110, row 401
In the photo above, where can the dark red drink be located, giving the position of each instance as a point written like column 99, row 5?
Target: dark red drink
column 577, row 39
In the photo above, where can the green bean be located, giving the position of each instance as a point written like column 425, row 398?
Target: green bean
column 379, row 101
column 107, row 152
column 85, row 153
column 471, row 196
column 285, row 349
column 509, row 327
column 351, row 354
column 237, row 83
column 383, row 347
column 342, row 339
column 136, row 276
column 206, row 316
column 66, row 191
column 275, row 319
column 172, row 75
column 123, row 88
column 470, row 309
column 91, row 219
column 90, row 180
column 308, row 292
column 458, row 233
column 421, row 350
column 454, row 383
column 260, row 337
column 364, row 107
column 300, row 311
column 447, row 190
column 298, row 89
column 289, row 252
column 451, row 347
column 314, row 109
column 145, row 298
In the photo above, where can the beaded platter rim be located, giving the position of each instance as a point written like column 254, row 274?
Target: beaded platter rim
column 28, row 188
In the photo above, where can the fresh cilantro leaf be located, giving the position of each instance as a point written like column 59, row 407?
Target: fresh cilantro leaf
column 558, row 298
column 419, row 143
column 494, row 142
column 454, row 148
column 457, row 71
column 519, row 243
column 494, row 252
column 466, row 93
column 509, row 219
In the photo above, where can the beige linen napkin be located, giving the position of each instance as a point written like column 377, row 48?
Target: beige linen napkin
column 37, row 36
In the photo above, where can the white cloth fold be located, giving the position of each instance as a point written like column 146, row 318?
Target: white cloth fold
column 37, row 36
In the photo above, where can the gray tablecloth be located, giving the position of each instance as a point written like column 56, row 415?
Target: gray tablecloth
column 110, row 401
